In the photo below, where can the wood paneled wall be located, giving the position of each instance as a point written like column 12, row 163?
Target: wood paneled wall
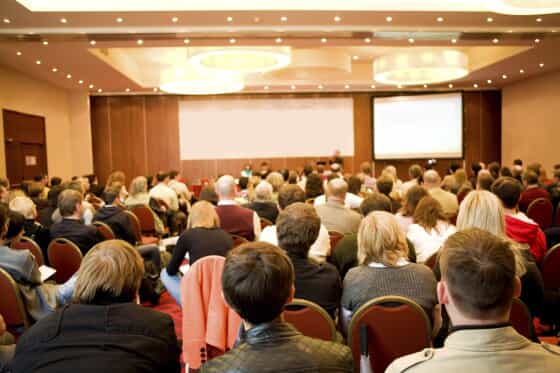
column 140, row 136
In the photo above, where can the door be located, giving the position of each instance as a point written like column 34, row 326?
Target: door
column 26, row 153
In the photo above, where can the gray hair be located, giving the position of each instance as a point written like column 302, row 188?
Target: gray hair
column 225, row 186
column 138, row 185
column 263, row 191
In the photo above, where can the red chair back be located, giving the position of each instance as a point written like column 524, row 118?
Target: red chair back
column 146, row 219
column 396, row 326
column 431, row 261
column 265, row 223
column 520, row 318
column 12, row 308
column 135, row 225
column 310, row 319
column 557, row 218
column 26, row 243
column 65, row 257
column 540, row 210
column 334, row 237
column 105, row 230
column 238, row 240
column 550, row 269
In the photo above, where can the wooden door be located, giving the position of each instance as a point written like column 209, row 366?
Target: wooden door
column 26, row 153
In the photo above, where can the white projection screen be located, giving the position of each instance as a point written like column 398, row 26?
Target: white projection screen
column 265, row 127
column 418, row 126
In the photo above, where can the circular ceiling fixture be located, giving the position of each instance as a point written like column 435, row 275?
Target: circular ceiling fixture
column 190, row 81
column 316, row 65
column 420, row 66
column 242, row 60
column 524, row 7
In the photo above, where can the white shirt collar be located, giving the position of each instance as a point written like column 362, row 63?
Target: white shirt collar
column 401, row 262
column 227, row 202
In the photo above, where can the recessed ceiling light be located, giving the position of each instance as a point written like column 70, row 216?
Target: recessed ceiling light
column 367, row 40
column 119, row 19
column 489, row 81
column 399, row 86
column 19, row 53
column 389, row 19
column 504, row 76
column 450, row 85
column 6, row 20
column 284, row 19
column 186, row 41
column 45, row 42
column 278, row 40
column 232, row 41
column 410, row 40
column 372, row 86
column 80, row 81
column 510, row 31
column 68, row 76
column 346, row 86
column 355, row 58
column 99, row 90
column 439, row 19
column 323, row 40
column 521, row 71
column 475, row 85
column 553, row 30
column 63, row 20
column 38, row 62
column 539, row 20
column 537, row 40
column 54, row 69
column 454, row 41
column 91, row 86
column 175, row 19
column 541, row 64
column 320, row 86
column 425, row 86
column 93, row 42
column 495, row 40
column 139, row 41
column 155, row 89
column 293, row 87
column 229, row 19
column 337, row 19
column 266, row 88
column 489, row 19
column 127, row 90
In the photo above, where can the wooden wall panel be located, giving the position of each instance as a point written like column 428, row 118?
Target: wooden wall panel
column 140, row 135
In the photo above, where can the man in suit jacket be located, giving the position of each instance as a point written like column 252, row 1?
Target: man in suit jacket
column 334, row 215
column 114, row 216
column 71, row 227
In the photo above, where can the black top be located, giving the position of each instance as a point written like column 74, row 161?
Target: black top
column 85, row 236
column 199, row 242
column 317, row 282
column 37, row 233
column 267, row 210
column 117, row 338
column 119, row 221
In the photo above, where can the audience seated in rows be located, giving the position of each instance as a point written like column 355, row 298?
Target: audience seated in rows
column 447, row 200
column 351, row 200
column 533, row 190
column 262, row 203
column 257, row 282
column 334, row 215
column 164, row 193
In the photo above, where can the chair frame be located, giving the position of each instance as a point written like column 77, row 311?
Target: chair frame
column 530, row 326
column 37, row 253
column 540, row 200
column 65, row 241
column 107, row 227
column 548, row 254
column 152, row 232
column 308, row 304
column 236, row 236
column 136, row 226
column 19, row 301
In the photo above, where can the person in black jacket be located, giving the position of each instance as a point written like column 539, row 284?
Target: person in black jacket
column 103, row 330
column 113, row 215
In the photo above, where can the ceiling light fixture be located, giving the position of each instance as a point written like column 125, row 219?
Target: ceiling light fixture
column 80, row 81
column 192, row 81
column 439, row 19
column 346, row 86
column 127, row 90
column 389, row 19
column 156, row 89
column 324, row 40
column 504, row 76
column 521, row 71
column 337, row 19
column 139, row 41
column 6, row 20
column 355, row 58
column 175, row 19
column 541, row 64
column 489, row 81
column 421, row 66
column 18, row 53
column 517, row 7
column 99, row 90
column 242, row 59
column 539, row 20
column 278, row 40
column 284, row 19
column 495, row 40
column 266, row 88
column 63, row 20
column 68, row 76
column 372, row 86
column 186, row 41
column 229, row 19
column 293, row 87
column 54, row 69
column 93, row 42
column 232, row 41
column 119, row 20
column 453, row 41
column 475, row 85
column 489, row 19
column 537, row 40
column 45, row 42
column 399, row 86
column 425, row 86
column 320, row 86
column 411, row 40
column 367, row 40
column 450, row 85
column 91, row 86
column 38, row 62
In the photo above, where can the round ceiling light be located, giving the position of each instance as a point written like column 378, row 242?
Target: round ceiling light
column 421, row 66
column 243, row 60
column 524, row 7
column 190, row 81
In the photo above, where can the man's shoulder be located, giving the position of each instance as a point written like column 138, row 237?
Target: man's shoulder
column 411, row 361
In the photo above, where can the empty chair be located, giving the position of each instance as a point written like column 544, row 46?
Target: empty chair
column 146, row 218
column 26, row 243
column 550, row 269
column 396, row 326
column 540, row 210
column 65, row 257
column 140, row 239
column 310, row 319
column 105, row 230
column 12, row 308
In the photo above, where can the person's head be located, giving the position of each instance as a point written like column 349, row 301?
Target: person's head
column 248, row 167
column 35, row 189
column 293, row 177
column 70, row 203
column 336, row 190
column 484, row 180
column 24, row 206
column 258, row 281
column 4, row 194
column 460, row 176
column 428, row 212
column 225, row 187
column 162, row 177
column 505, row 171
column 92, row 178
column 518, row 162
column 494, row 169
column 431, row 179
column 482, row 209
column 411, row 199
column 203, row 215
column 366, row 169
column 276, row 180
column 453, row 167
column 53, row 194
column 116, row 176
column 174, row 175
column 354, row 185
column 375, row 202
column 5, row 182
column 208, row 194
column 478, row 277
column 138, row 185
column 557, row 175
column 110, row 272
column 290, row 194
column 314, row 186
column 530, row 178
column 381, row 239
column 508, row 191
column 392, row 170
column 265, row 166
column 297, row 228
column 55, row 181
column 285, row 174
column 385, row 185
column 475, row 168
column 415, row 172
column 85, row 183
column 243, row 182
column 15, row 226
column 307, row 169
column 535, row 167
column 263, row 192
column 111, row 195
column 75, row 185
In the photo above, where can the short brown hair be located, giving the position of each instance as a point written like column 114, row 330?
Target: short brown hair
column 110, row 272
column 414, row 194
column 67, row 201
column 297, row 228
column 479, row 270
column 508, row 191
column 531, row 177
column 257, row 280
column 375, row 202
column 289, row 194
column 428, row 212
column 484, row 181
column 385, row 185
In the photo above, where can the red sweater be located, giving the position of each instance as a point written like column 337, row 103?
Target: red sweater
column 530, row 195
column 236, row 220
column 528, row 233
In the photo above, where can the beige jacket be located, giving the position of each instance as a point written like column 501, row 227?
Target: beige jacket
column 447, row 200
column 497, row 349
column 336, row 217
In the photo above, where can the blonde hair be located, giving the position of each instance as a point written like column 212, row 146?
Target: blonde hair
column 276, row 180
column 381, row 240
column 203, row 215
column 25, row 206
column 116, row 176
column 111, row 271
column 138, row 185
column 460, row 177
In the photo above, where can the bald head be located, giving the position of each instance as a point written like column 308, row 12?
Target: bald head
column 225, row 187
column 336, row 190
column 431, row 179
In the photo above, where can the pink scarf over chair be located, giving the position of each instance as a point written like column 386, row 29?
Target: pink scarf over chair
column 209, row 324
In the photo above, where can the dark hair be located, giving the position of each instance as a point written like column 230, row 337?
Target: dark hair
column 172, row 174
column 297, row 228
column 110, row 194
column 485, row 181
column 3, row 215
column 208, row 194
column 15, row 225
column 508, row 191
column 285, row 174
column 518, row 162
column 505, row 171
column 4, row 182
column 428, row 212
column 454, row 166
column 375, row 202
column 257, row 280
column 74, row 185
column 307, row 169
column 415, row 171
column 494, row 169
column 354, row 185
column 535, row 167
column 530, row 177
column 289, row 194
column 557, row 173
column 160, row 176
column 55, row 181
column 293, row 178
column 414, row 194
column 91, row 178
column 243, row 182
column 67, row 201
column 385, row 185
column 53, row 194
column 314, row 186
column 35, row 189
column 476, row 167
column 479, row 270
column 38, row 178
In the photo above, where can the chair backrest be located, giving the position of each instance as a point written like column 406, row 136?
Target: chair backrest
column 265, row 223
column 310, row 319
column 12, row 308
column 135, row 225
column 557, row 217
column 65, row 257
column 550, row 269
column 540, row 210
column 26, row 243
column 431, row 261
column 146, row 218
column 396, row 326
column 238, row 240
column 105, row 230
column 520, row 318
column 334, row 237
